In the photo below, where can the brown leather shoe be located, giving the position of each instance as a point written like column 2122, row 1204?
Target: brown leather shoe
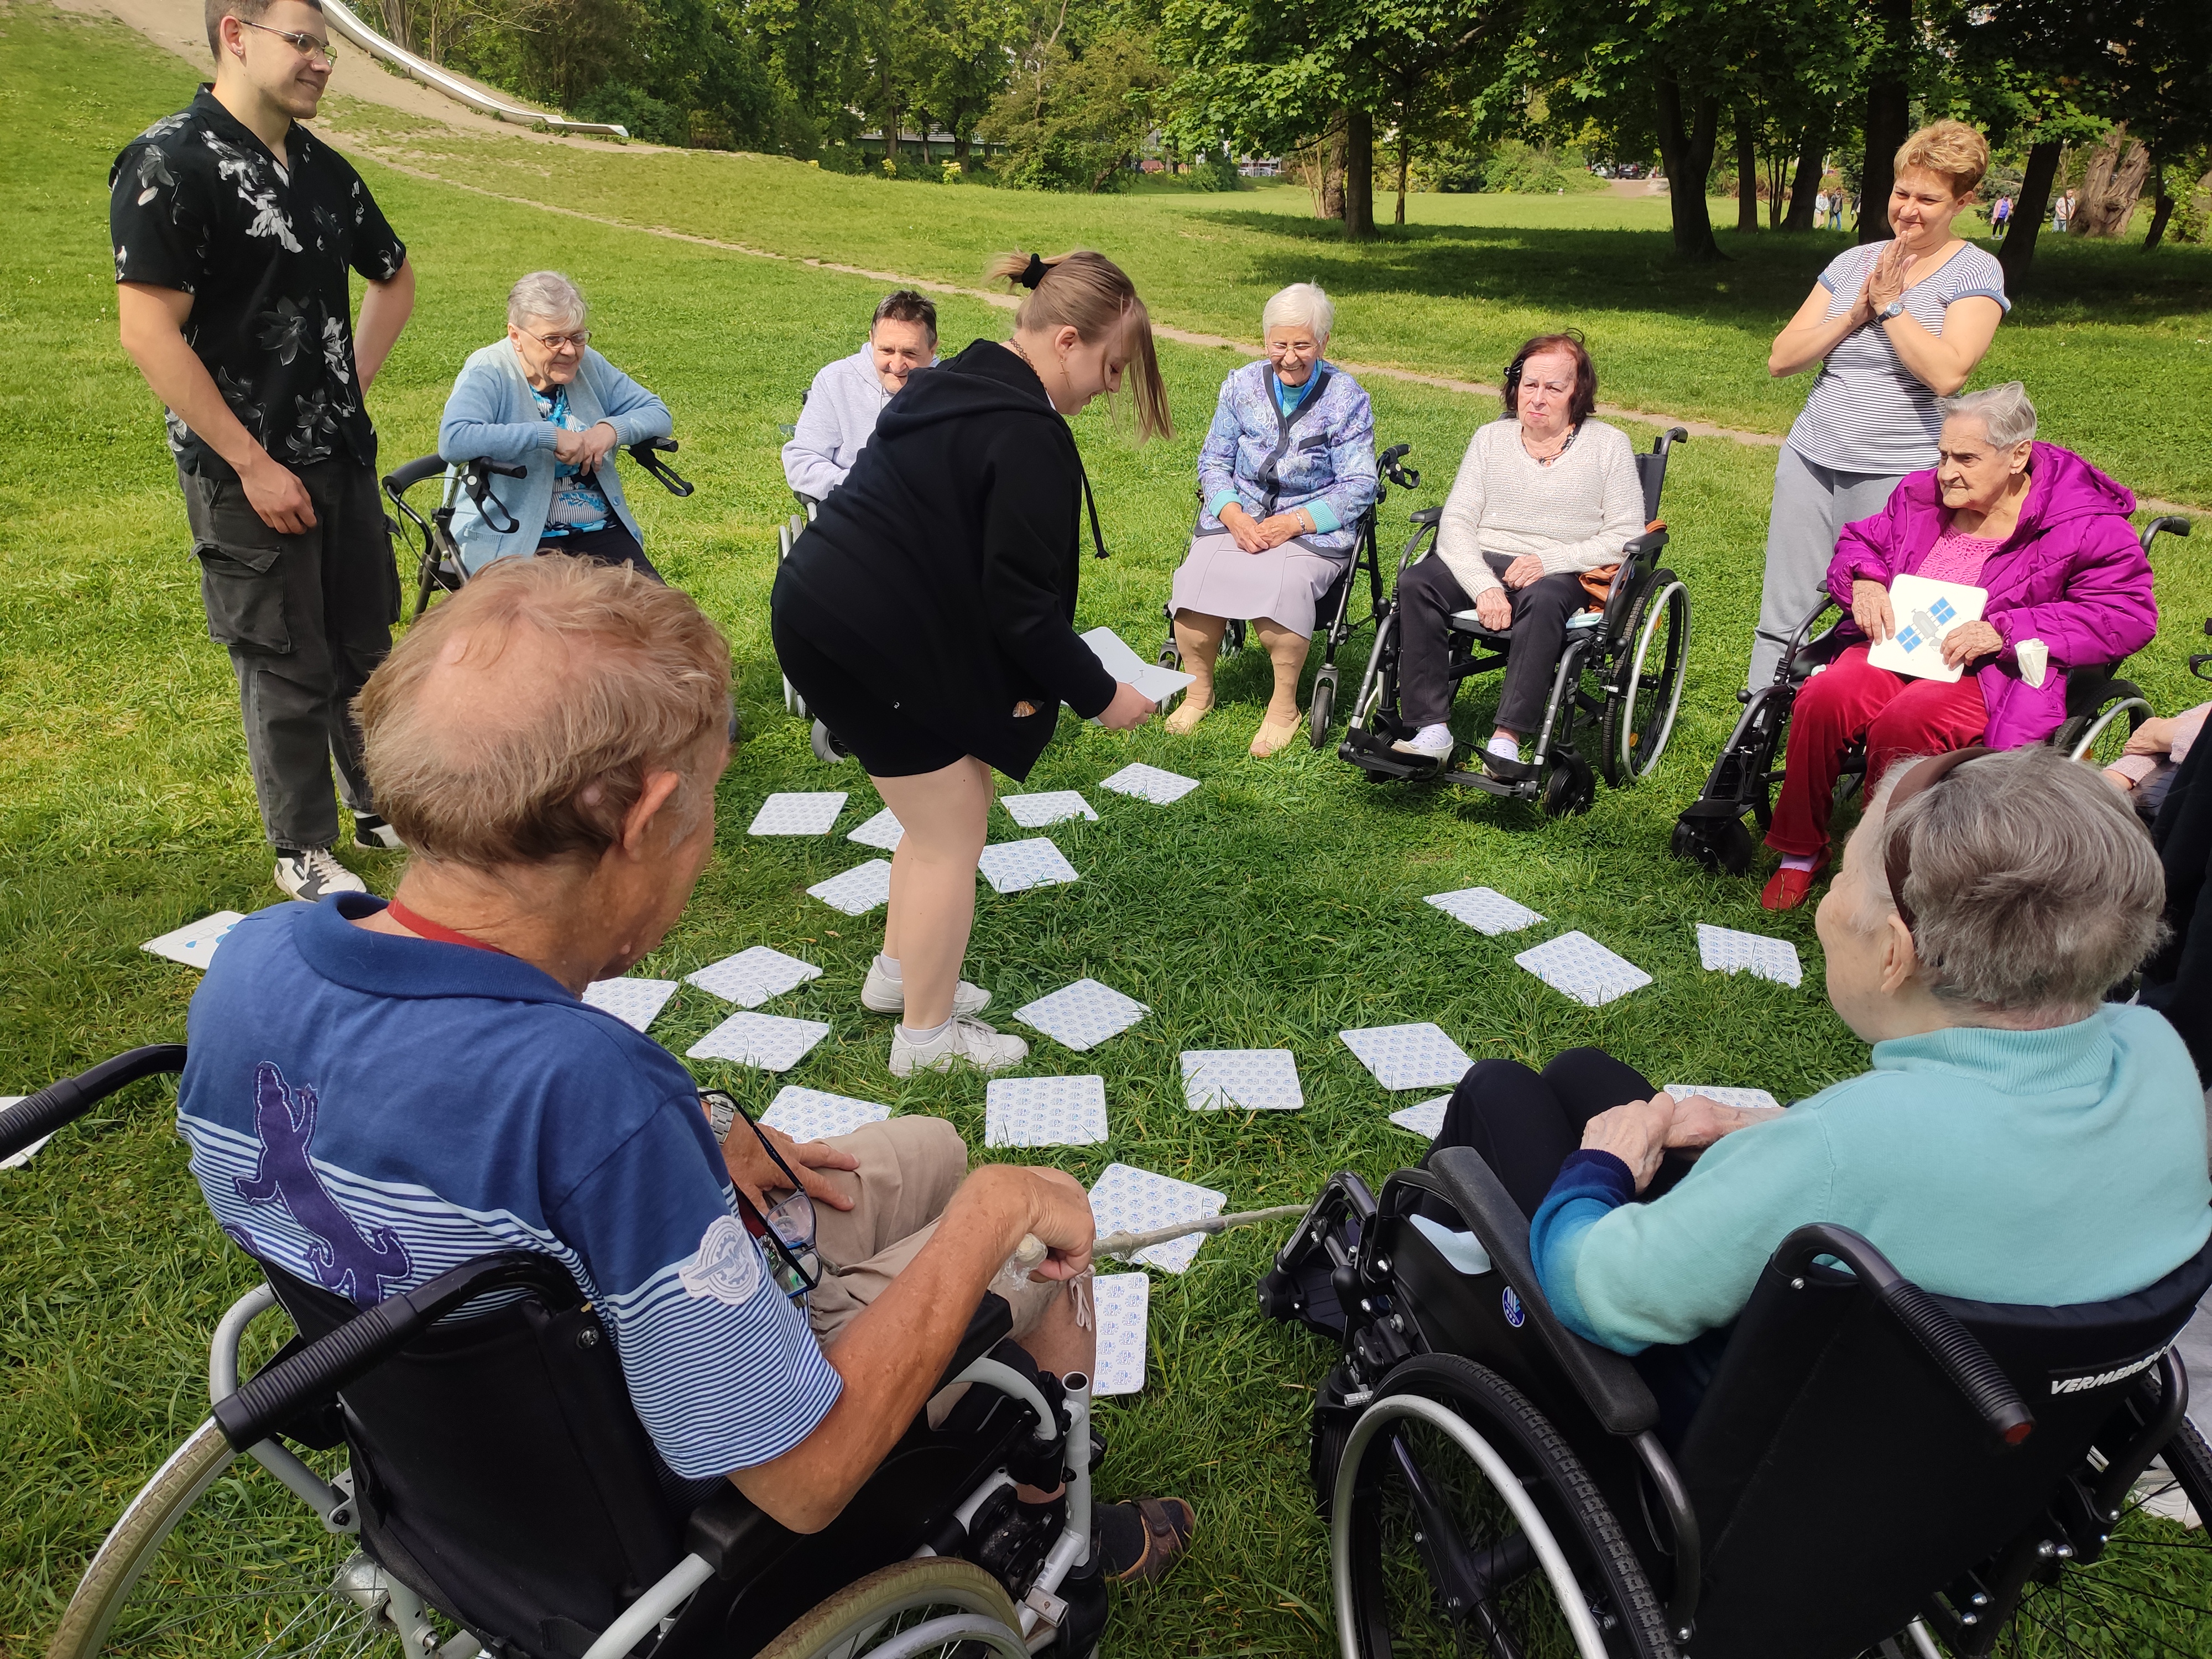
column 1140, row 1542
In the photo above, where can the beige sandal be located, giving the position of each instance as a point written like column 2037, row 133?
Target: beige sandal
column 1187, row 714
column 1272, row 737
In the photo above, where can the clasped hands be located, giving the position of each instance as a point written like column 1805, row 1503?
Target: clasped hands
column 1643, row 1131
column 585, row 449
column 1258, row 535
column 1492, row 605
column 1885, row 284
column 1871, row 610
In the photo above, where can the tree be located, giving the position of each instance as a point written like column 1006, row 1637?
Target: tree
column 1888, row 119
column 966, row 54
column 1074, row 119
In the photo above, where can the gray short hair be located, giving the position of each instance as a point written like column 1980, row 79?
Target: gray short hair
column 2004, row 410
column 2034, row 889
column 1301, row 302
column 545, row 293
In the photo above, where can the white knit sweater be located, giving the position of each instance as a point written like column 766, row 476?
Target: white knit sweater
column 1575, row 514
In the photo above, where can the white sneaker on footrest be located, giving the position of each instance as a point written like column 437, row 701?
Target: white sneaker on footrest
column 964, row 1042
column 1431, row 743
column 312, row 873
column 882, row 995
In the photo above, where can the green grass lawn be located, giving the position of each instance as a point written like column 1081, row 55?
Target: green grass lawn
column 1273, row 907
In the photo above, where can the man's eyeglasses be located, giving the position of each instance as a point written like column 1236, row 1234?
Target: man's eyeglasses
column 579, row 340
column 306, row 45
column 786, row 1230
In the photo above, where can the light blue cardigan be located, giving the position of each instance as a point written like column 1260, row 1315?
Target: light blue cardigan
column 491, row 413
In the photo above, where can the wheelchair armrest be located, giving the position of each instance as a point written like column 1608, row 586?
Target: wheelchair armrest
column 1607, row 1383
column 1427, row 515
column 71, row 1098
column 992, row 1322
column 1642, row 548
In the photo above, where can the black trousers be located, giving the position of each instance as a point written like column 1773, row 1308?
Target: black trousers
column 1429, row 593
column 610, row 544
column 1525, row 1123
column 307, row 618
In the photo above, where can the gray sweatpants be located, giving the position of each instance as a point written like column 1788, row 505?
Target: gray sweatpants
column 1812, row 504
column 307, row 618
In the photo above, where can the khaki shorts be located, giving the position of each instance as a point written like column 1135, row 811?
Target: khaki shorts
column 910, row 1167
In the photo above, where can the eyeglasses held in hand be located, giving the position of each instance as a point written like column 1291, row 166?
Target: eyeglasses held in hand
column 786, row 1230
column 306, row 45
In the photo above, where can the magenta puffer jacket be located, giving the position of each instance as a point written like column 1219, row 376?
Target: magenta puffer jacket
column 2071, row 574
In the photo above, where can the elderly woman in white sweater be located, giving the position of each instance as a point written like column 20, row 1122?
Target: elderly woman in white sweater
column 1544, row 495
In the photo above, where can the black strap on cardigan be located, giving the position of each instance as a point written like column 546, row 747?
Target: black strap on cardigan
column 1284, row 424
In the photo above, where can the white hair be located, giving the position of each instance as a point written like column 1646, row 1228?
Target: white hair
column 546, row 294
column 1301, row 302
column 2004, row 410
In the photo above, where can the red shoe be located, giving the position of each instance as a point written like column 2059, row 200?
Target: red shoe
column 1786, row 889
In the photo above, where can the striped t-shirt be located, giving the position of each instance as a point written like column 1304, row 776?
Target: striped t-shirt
column 1869, row 413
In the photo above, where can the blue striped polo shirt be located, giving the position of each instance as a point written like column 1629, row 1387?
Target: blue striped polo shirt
column 366, row 1111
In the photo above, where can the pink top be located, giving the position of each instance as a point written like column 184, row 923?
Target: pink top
column 1956, row 558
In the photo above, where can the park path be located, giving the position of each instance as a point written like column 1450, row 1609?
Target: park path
column 178, row 25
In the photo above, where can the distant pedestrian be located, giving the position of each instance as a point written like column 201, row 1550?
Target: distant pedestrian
column 1820, row 210
column 233, row 222
column 2061, row 213
column 2001, row 215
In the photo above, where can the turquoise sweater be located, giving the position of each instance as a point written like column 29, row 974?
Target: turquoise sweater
column 2038, row 1166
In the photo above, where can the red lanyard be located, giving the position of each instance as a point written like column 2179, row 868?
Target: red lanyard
column 415, row 922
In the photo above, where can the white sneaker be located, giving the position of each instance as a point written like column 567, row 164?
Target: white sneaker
column 373, row 835
column 882, row 995
column 964, row 1042
column 1431, row 743
column 312, row 873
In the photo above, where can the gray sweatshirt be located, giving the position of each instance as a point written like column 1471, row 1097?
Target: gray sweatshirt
column 836, row 424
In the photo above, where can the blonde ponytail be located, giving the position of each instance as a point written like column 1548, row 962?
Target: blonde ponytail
column 1089, row 293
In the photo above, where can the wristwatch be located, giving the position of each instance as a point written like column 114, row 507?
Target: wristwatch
column 721, row 1114
column 1894, row 308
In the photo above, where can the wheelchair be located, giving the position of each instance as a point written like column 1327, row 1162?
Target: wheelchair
column 1874, row 1469
column 457, row 1471
column 2101, row 710
column 1333, row 615
column 822, row 740
column 438, row 566
column 1631, row 649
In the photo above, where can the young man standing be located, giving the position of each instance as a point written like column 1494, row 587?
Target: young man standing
column 234, row 230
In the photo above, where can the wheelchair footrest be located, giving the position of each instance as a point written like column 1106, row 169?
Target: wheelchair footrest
column 1373, row 753
column 1525, row 790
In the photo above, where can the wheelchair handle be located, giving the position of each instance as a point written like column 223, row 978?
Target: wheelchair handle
column 2172, row 525
column 1388, row 464
column 400, row 480
column 643, row 452
column 1962, row 1360
column 371, row 1337
column 71, row 1098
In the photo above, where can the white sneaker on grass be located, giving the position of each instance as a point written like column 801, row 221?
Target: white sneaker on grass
column 373, row 835
column 312, row 872
column 882, row 995
column 1431, row 743
column 963, row 1042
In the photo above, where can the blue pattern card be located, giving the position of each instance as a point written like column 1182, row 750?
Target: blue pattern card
column 809, row 813
column 1125, row 1198
column 752, row 977
column 1044, row 1111
column 811, row 1115
column 884, row 830
column 1426, row 1119
column 1082, row 1014
column 1485, row 910
column 1750, row 1097
column 636, row 1002
column 767, row 1041
column 1409, row 1056
column 1047, row 807
column 1725, row 951
column 1011, row 866
column 859, row 889
column 1149, row 783
column 1246, row 1079
column 1122, row 1302
column 1578, row 966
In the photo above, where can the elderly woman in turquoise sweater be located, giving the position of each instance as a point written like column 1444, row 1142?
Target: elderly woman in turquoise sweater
column 1285, row 473
column 542, row 398
column 2018, row 1140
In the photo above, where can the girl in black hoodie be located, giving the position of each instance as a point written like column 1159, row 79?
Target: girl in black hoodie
column 926, row 616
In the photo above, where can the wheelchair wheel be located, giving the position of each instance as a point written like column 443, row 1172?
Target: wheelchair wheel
column 1462, row 1522
column 1570, row 787
column 1717, row 845
column 214, row 1556
column 938, row 1605
column 827, row 749
column 2099, row 736
column 1324, row 706
column 1639, row 715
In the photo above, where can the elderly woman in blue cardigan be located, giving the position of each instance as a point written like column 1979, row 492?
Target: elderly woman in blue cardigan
column 543, row 398
column 1287, row 471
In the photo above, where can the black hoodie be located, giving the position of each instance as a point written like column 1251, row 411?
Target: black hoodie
column 942, row 573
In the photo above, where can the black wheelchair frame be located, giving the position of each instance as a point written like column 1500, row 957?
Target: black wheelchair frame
column 438, row 563
column 1632, row 707
column 1711, row 830
column 1872, row 1468
column 1332, row 615
column 499, row 1478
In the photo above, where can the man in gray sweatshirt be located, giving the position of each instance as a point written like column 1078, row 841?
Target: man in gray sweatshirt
column 839, row 414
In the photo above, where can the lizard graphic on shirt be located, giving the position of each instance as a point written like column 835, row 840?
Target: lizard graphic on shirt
column 358, row 1266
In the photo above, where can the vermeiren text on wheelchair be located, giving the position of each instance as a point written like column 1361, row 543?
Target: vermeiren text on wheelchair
column 1656, row 1421
column 1552, row 527
column 759, row 1323
column 2046, row 535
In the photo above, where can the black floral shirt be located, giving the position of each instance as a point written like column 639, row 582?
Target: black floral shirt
column 198, row 204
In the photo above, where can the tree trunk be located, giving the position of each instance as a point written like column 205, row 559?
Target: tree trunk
column 1812, row 151
column 1688, row 154
column 962, row 142
column 1889, row 118
column 1331, row 200
column 2111, row 187
column 1404, row 162
column 2028, row 212
column 2161, row 211
column 1359, row 174
column 1777, row 164
column 1747, row 176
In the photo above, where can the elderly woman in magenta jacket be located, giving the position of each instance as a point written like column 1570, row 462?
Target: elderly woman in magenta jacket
column 1286, row 470
column 543, row 399
column 2045, row 533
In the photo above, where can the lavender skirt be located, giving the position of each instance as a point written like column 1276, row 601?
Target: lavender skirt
column 1282, row 584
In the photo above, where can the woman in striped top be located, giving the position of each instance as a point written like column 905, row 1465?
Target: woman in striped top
column 1892, row 327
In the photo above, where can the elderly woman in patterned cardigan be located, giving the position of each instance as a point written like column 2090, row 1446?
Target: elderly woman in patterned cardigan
column 1287, row 471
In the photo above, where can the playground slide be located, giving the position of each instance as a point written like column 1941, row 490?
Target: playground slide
column 343, row 21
